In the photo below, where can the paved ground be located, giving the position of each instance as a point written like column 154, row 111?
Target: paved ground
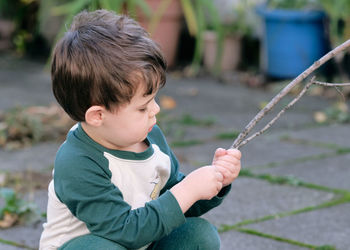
column 293, row 191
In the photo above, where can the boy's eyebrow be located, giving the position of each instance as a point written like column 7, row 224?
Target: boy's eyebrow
column 152, row 97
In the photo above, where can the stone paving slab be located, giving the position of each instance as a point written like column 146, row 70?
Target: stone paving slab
column 252, row 199
column 320, row 227
column 235, row 105
column 9, row 247
column 232, row 106
column 331, row 172
column 261, row 151
column 233, row 240
column 38, row 157
column 332, row 134
column 28, row 88
column 292, row 120
column 269, row 148
column 26, row 235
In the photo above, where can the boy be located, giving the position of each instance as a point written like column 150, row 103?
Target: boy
column 116, row 183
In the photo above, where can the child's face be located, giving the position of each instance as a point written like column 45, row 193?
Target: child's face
column 128, row 126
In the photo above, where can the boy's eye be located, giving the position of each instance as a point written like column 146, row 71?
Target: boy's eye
column 143, row 109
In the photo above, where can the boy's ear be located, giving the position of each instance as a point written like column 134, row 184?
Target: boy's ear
column 93, row 116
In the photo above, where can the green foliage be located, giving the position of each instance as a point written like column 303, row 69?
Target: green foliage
column 189, row 120
column 17, row 206
column 24, row 126
column 326, row 247
column 71, row 8
column 206, row 16
column 19, row 126
column 184, row 143
column 8, row 8
column 196, row 13
column 339, row 19
column 282, row 180
column 228, row 135
column 24, row 15
column 294, row 4
column 337, row 113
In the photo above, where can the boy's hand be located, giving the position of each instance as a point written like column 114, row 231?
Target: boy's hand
column 228, row 162
column 202, row 184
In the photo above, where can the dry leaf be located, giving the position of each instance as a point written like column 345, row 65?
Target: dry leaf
column 320, row 117
column 167, row 102
column 8, row 220
column 342, row 106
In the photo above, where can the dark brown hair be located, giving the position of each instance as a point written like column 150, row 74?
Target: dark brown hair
column 101, row 60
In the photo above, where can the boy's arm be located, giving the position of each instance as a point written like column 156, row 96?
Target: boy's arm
column 199, row 207
column 93, row 199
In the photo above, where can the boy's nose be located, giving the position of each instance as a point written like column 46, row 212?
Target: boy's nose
column 155, row 109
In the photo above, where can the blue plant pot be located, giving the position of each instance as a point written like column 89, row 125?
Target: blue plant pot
column 293, row 40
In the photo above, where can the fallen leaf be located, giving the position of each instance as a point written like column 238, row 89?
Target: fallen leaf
column 320, row 117
column 167, row 102
column 8, row 220
column 342, row 106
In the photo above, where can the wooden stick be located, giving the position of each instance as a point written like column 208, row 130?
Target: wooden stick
column 241, row 137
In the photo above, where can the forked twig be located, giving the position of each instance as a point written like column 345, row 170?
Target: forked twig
column 241, row 139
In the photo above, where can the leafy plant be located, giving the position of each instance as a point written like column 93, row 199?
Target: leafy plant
column 15, row 209
column 24, row 126
column 189, row 120
column 339, row 20
column 72, row 8
column 23, row 13
column 337, row 113
column 295, row 4
column 227, row 135
column 19, row 126
column 196, row 13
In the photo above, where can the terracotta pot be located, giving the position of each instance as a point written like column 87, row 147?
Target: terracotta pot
column 231, row 53
column 7, row 29
column 167, row 31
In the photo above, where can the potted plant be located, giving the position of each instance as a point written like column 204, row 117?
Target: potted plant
column 7, row 24
column 151, row 14
column 162, row 17
column 18, row 24
column 339, row 31
column 236, row 20
column 294, row 36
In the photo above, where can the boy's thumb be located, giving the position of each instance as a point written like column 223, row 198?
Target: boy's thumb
column 219, row 152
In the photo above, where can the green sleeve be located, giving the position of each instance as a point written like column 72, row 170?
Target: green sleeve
column 85, row 187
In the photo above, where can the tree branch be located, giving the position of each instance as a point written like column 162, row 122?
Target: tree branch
column 241, row 137
column 329, row 84
column 302, row 92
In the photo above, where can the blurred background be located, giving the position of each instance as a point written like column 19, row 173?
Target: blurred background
column 242, row 52
column 270, row 39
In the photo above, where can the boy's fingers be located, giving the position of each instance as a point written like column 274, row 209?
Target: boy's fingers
column 224, row 171
column 219, row 152
column 220, row 176
column 224, row 160
column 234, row 152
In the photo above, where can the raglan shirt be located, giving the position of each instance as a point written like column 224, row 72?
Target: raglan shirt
column 119, row 195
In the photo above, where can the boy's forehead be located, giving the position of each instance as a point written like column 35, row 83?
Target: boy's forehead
column 142, row 93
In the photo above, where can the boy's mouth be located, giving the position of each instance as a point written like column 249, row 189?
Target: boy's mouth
column 150, row 129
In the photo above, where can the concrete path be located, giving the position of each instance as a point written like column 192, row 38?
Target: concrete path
column 293, row 191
